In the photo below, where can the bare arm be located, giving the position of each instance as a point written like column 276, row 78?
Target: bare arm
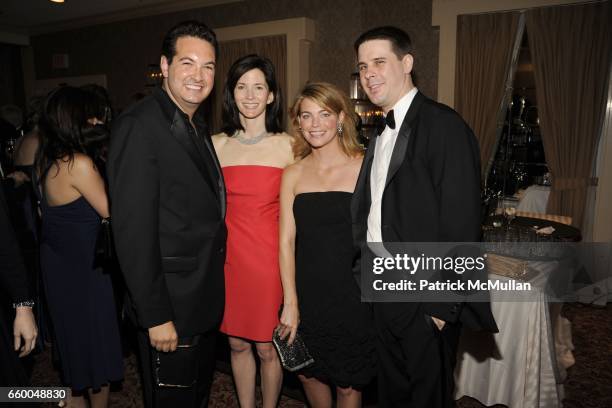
column 290, row 317
column 86, row 179
column 25, row 152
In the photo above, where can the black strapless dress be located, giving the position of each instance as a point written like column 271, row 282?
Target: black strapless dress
column 334, row 323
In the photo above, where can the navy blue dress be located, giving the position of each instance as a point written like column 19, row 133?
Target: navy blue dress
column 79, row 296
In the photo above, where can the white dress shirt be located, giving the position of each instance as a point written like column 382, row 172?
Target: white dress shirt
column 380, row 165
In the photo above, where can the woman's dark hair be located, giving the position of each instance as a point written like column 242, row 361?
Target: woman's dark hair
column 230, row 113
column 101, row 107
column 66, row 129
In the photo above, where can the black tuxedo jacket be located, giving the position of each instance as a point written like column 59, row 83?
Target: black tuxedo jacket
column 168, row 208
column 432, row 194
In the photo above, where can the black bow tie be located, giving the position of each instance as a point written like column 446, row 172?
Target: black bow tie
column 389, row 121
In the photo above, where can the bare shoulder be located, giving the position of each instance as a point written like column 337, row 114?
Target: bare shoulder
column 219, row 140
column 357, row 160
column 30, row 140
column 81, row 166
column 282, row 139
column 293, row 171
column 284, row 143
column 26, row 148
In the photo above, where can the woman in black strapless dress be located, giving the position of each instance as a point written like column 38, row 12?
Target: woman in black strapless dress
column 321, row 296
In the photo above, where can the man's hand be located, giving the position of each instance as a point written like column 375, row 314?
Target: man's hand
column 163, row 337
column 439, row 323
column 24, row 327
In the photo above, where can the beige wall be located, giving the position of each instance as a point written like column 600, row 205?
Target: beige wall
column 122, row 50
column 414, row 16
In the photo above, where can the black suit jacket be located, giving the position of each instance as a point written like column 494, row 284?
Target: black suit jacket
column 432, row 194
column 168, row 208
column 13, row 274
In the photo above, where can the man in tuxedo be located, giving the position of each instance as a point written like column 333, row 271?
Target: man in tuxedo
column 419, row 182
column 168, row 208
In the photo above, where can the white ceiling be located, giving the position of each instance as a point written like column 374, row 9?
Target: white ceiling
column 25, row 17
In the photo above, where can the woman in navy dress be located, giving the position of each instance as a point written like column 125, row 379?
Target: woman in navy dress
column 73, row 202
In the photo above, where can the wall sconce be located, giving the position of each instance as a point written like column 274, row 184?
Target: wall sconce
column 153, row 76
column 369, row 114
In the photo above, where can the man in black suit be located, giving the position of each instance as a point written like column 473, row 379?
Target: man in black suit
column 168, row 208
column 14, row 286
column 419, row 182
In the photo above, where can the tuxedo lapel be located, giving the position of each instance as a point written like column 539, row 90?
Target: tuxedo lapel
column 219, row 176
column 182, row 135
column 403, row 137
column 361, row 188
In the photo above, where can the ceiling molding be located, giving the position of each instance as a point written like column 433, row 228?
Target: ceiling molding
column 15, row 38
column 126, row 14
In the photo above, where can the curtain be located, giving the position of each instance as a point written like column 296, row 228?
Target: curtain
column 570, row 48
column 274, row 48
column 485, row 44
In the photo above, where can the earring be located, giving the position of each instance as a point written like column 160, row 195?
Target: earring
column 340, row 129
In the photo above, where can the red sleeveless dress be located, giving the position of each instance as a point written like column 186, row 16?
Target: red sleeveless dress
column 253, row 291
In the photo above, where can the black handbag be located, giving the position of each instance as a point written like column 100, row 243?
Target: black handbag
column 178, row 368
column 105, row 247
column 294, row 356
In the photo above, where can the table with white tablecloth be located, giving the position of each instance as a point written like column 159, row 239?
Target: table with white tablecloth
column 534, row 199
column 516, row 367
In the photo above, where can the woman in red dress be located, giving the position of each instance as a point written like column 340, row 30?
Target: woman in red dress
column 253, row 151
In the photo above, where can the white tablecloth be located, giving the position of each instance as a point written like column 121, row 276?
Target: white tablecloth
column 534, row 199
column 516, row 367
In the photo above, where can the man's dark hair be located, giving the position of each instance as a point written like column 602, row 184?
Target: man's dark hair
column 230, row 113
column 400, row 40
column 190, row 28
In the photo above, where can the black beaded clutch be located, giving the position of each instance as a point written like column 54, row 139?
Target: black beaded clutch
column 294, row 356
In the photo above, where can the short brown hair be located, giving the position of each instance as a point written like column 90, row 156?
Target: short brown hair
column 399, row 39
column 330, row 97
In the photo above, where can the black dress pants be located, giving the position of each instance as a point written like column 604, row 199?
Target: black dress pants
column 416, row 360
column 195, row 396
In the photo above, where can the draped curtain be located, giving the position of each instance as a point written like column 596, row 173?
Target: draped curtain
column 570, row 48
column 485, row 45
column 274, row 48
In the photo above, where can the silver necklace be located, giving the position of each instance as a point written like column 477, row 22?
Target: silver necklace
column 239, row 136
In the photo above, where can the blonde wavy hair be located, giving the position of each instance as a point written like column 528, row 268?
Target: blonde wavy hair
column 329, row 97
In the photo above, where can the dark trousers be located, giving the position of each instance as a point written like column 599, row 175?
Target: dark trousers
column 195, row 396
column 416, row 360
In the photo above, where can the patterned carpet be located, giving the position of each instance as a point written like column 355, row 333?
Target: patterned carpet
column 588, row 385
